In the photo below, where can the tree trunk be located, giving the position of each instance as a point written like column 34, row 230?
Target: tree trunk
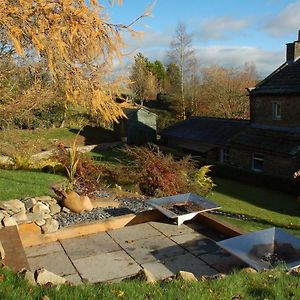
column 182, row 95
column 62, row 124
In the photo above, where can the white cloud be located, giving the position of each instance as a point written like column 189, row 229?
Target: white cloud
column 220, row 28
column 287, row 21
column 265, row 61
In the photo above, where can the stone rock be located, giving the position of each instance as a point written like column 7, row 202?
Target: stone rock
column 47, row 199
column 20, row 217
column 66, row 210
column 249, row 270
column 41, row 207
column 45, row 298
column 43, row 277
column 51, row 225
column 294, row 272
column 40, row 222
column 218, row 276
column 186, row 276
column 3, row 214
column 35, row 217
column 29, row 276
column 146, row 276
column 9, row 221
column 47, row 216
column 12, row 206
column 2, row 252
column 29, row 203
column 54, row 208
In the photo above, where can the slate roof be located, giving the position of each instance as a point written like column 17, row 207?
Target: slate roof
column 277, row 141
column 284, row 80
column 210, row 131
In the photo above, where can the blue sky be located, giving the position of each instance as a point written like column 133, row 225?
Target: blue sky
column 225, row 32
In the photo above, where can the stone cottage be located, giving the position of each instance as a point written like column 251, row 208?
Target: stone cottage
column 269, row 142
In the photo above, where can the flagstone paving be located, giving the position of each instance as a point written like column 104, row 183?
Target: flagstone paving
column 162, row 248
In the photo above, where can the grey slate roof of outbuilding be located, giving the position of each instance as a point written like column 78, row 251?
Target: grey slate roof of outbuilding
column 268, row 140
column 284, row 80
column 213, row 131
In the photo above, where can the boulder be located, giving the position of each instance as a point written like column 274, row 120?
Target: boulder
column 41, row 207
column 146, row 276
column 44, row 277
column 186, row 276
column 249, row 270
column 35, row 217
column 12, row 206
column 29, row 203
column 28, row 275
column 20, row 217
column 3, row 214
column 46, row 199
column 2, row 251
column 9, row 221
column 54, row 208
column 51, row 225
column 66, row 210
column 40, row 222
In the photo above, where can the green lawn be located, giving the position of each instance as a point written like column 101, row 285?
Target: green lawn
column 113, row 156
column 273, row 208
column 274, row 284
column 28, row 142
column 19, row 184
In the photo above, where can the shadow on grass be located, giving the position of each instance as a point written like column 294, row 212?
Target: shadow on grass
column 96, row 135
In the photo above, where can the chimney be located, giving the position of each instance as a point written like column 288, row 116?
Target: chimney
column 293, row 50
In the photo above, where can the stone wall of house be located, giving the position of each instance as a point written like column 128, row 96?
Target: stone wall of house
column 261, row 111
column 273, row 165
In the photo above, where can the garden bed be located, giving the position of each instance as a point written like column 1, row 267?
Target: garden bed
column 31, row 234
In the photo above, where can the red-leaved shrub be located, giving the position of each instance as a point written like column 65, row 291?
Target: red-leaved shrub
column 159, row 174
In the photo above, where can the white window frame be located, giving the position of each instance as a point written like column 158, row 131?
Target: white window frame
column 257, row 157
column 276, row 110
column 224, row 155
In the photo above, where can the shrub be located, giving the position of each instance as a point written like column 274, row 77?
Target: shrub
column 159, row 174
column 202, row 183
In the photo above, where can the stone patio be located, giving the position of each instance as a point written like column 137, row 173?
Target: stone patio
column 162, row 248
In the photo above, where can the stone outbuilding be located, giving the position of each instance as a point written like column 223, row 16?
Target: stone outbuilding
column 269, row 142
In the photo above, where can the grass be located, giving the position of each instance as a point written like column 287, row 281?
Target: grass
column 19, row 184
column 33, row 141
column 272, row 208
column 114, row 156
column 275, row 284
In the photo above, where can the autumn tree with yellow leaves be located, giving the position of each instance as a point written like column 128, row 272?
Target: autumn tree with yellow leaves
column 76, row 41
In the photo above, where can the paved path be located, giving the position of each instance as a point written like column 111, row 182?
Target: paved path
column 162, row 248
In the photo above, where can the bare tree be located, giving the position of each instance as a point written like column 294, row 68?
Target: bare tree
column 181, row 53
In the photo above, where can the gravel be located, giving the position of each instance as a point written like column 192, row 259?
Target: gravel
column 127, row 206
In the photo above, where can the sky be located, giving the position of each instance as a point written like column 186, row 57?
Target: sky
column 229, row 33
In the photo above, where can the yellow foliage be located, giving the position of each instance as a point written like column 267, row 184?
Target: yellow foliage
column 77, row 41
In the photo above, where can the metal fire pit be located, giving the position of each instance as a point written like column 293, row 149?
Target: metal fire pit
column 265, row 249
column 202, row 203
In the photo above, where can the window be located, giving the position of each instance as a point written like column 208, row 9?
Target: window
column 276, row 108
column 257, row 162
column 224, row 155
